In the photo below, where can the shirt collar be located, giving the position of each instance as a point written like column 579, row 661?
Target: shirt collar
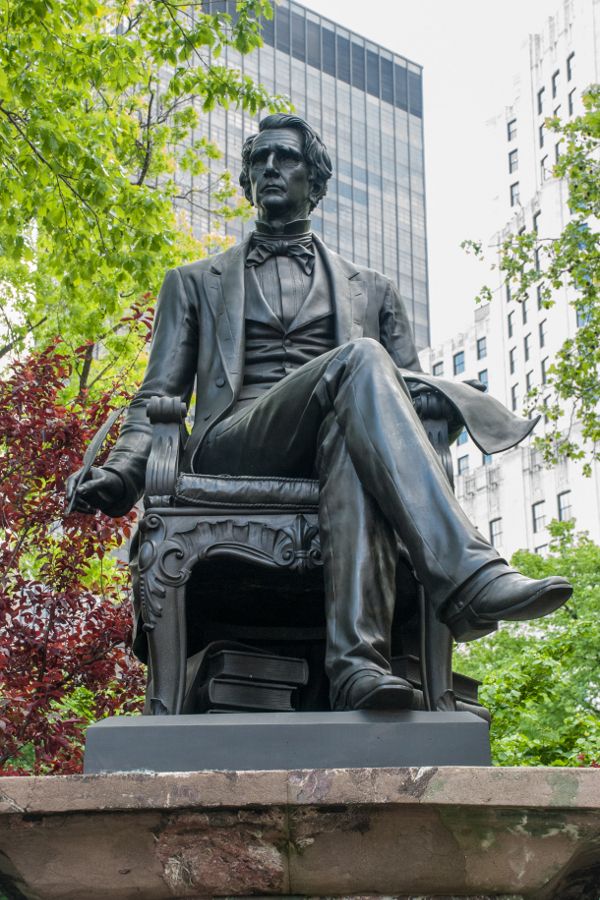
column 297, row 228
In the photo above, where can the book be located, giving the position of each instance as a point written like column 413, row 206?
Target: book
column 256, row 696
column 259, row 666
column 465, row 688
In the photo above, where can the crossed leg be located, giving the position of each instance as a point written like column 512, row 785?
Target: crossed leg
column 348, row 416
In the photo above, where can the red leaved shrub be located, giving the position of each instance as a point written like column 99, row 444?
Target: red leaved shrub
column 64, row 613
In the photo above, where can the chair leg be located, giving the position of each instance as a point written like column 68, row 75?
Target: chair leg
column 167, row 653
column 436, row 658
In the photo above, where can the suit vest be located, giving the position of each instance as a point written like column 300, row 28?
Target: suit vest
column 272, row 351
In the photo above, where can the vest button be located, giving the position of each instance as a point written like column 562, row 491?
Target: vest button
column 220, row 381
column 287, row 343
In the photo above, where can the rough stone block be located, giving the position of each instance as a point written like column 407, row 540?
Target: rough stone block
column 402, row 834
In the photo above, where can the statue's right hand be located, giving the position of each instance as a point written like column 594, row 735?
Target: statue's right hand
column 101, row 489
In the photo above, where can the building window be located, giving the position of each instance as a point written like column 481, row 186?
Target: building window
column 481, row 347
column 513, row 160
column 557, row 111
column 570, row 59
column 536, row 222
column 511, row 323
column 524, row 311
column 486, row 459
column 529, row 381
column 565, row 510
column 514, row 193
column 438, row 369
column 358, row 65
column 557, row 152
column 541, row 550
column 537, row 256
column 483, row 377
column 540, row 298
column 511, row 129
column 527, row 346
column 514, row 400
column 459, row 362
column 555, row 79
column 508, row 294
column 544, row 368
column 462, row 438
column 540, row 100
column 463, row 464
column 496, row 532
column 544, row 173
column 541, row 135
column 542, row 332
column 512, row 356
column 571, row 102
column 538, row 514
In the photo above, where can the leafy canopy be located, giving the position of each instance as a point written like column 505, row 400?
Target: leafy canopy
column 541, row 680
column 571, row 260
column 100, row 103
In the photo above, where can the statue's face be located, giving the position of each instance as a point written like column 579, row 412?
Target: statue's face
column 279, row 175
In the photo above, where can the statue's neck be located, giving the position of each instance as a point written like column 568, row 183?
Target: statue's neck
column 283, row 229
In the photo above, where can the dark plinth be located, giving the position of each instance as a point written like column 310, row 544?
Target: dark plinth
column 255, row 741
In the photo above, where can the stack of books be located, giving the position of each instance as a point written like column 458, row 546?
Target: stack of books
column 465, row 689
column 243, row 681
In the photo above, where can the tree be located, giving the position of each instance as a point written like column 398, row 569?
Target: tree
column 569, row 260
column 98, row 99
column 541, row 680
column 64, row 614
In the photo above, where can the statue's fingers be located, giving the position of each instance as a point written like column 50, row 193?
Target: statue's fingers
column 86, row 496
column 82, row 507
column 71, row 485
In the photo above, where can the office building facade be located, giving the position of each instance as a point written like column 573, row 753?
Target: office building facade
column 366, row 102
column 513, row 496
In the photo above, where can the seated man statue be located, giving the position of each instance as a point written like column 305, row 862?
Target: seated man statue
column 301, row 360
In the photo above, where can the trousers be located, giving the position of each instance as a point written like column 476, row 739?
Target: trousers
column 348, row 417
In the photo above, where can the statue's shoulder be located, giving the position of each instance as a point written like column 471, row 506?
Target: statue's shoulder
column 352, row 269
column 216, row 262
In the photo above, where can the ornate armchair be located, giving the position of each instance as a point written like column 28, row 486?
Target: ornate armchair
column 223, row 557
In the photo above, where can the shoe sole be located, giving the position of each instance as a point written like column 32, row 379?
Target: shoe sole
column 392, row 696
column 468, row 626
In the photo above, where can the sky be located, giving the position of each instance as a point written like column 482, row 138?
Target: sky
column 469, row 53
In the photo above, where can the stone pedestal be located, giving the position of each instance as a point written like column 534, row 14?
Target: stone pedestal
column 468, row 832
column 286, row 741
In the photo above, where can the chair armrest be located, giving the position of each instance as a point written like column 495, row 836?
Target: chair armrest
column 436, row 413
column 167, row 417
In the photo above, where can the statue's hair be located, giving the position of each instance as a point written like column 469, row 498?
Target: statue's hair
column 315, row 154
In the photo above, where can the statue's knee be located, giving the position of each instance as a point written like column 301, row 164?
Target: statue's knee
column 367, row 350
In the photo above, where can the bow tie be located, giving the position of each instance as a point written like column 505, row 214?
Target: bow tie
column 299, row 249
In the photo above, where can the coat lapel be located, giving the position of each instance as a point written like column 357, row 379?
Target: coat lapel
column 225, row 294
column 348, row 294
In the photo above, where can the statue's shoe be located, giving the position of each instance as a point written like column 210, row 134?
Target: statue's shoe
column 371, row 691
column 509, row 597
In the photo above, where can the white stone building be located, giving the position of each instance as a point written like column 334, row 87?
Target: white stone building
column 512, row 496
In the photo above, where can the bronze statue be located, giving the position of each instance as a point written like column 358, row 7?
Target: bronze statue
column 304, row 365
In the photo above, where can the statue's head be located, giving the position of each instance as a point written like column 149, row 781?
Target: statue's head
column 285, row 167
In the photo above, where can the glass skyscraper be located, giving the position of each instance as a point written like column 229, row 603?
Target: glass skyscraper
column 366, row 102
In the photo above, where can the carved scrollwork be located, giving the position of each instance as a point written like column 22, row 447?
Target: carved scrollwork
column 152, row 529
column 298, row 546
column 171, row 547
